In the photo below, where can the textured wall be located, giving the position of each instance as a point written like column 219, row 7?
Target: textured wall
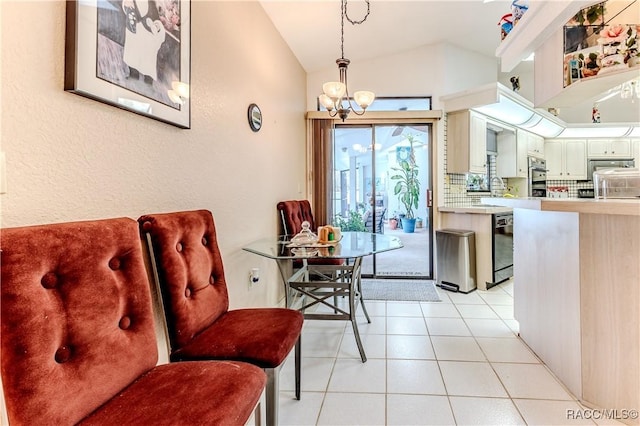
column 71, row 158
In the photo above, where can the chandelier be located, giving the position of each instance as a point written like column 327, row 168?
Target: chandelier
column 336, row 97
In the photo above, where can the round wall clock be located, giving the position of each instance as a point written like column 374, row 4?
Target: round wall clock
column 255, row 117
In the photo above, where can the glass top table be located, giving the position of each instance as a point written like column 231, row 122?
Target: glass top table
column 352, row 245
column 316, row 287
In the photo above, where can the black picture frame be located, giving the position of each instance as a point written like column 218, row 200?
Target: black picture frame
column 132, row 55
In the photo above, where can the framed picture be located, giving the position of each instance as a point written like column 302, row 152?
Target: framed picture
column 132, row 54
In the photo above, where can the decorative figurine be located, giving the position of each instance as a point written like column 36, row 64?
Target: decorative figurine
column 515, row 83
column 595, row 114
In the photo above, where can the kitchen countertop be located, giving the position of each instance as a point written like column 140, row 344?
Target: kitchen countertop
column 475, row 209
column 627, row 207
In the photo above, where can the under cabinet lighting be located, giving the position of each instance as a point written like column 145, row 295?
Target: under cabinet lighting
column 635, row 132
column 546, row 128
column 595, row 132
column 507, row 110
column 505, row 106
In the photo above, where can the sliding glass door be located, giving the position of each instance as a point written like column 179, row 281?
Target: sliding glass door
column 369, row 163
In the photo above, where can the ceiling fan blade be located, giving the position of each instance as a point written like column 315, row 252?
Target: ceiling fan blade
column 398, row 130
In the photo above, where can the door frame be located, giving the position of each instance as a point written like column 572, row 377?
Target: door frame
column 430, row 117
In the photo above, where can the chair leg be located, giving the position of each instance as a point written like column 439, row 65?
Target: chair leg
column 298, row 366
column 272, row 391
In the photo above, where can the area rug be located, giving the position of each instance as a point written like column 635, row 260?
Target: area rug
column 400, row 290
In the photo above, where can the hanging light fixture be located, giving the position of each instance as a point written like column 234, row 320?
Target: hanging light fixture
column 336, row 93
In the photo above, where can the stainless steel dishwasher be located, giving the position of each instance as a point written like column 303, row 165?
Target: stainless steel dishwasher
column 502, row 248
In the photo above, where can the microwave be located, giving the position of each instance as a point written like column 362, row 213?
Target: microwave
column 611, row 163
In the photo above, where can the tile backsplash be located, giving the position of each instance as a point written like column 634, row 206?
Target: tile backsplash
column 572, row 185
column 455, row 188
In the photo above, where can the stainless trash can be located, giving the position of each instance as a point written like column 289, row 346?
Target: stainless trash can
column 456, row 260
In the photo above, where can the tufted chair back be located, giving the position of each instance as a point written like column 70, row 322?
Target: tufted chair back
column 185, row 244
column 77, row 322
column 293, row 213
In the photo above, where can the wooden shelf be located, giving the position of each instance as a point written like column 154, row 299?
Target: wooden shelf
column 589, row 87
column 541, row 20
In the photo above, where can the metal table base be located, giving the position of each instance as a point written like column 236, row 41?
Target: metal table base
column 316, row 285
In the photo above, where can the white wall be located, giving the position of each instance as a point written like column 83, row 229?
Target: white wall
column 432, row 70
column 70, row 158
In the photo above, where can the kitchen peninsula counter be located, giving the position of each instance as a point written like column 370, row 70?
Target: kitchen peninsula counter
column 578, row 205
column 577, row 293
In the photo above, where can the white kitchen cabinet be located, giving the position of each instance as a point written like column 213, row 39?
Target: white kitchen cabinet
column 566, row 159
column 535, row 145
column 466, row 142
column 609, row 148
column 635, row 151
column 512, row 154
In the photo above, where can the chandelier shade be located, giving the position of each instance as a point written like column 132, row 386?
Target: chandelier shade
column 336, row 93
column 364, row 98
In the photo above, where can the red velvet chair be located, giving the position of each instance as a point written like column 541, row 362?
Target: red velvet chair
column 190, row 275
column 78, row 343
column 292, row 213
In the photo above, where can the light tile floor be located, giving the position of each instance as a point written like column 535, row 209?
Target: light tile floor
column 458, row 361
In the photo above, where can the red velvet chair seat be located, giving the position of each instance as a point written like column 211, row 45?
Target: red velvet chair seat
column 195, row 393
column 263, row 337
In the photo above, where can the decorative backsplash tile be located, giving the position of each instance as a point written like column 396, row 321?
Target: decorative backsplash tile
column 572, row 185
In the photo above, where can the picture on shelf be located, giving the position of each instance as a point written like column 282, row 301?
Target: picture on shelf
column 595, row 45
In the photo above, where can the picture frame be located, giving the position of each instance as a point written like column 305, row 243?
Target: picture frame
column 131, row 54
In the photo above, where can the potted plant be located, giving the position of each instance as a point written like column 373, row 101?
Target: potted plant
column 353, row 221
column 407, row 186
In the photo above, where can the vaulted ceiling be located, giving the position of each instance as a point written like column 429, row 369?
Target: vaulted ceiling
column 312, row 27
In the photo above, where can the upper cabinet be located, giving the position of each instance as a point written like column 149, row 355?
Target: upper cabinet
column 466, row 142
column 609, row 148
column 535, row 144
column 512, row 154
column 566, row 159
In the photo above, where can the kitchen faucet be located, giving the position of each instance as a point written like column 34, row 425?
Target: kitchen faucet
column 497, row 191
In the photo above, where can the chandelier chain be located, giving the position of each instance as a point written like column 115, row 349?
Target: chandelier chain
column 345, row 14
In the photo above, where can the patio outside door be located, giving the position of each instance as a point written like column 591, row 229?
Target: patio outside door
column 366, row 157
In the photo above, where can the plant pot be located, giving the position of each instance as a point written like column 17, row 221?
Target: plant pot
column 393, row 223
column 418, row 223
column 408, row 225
